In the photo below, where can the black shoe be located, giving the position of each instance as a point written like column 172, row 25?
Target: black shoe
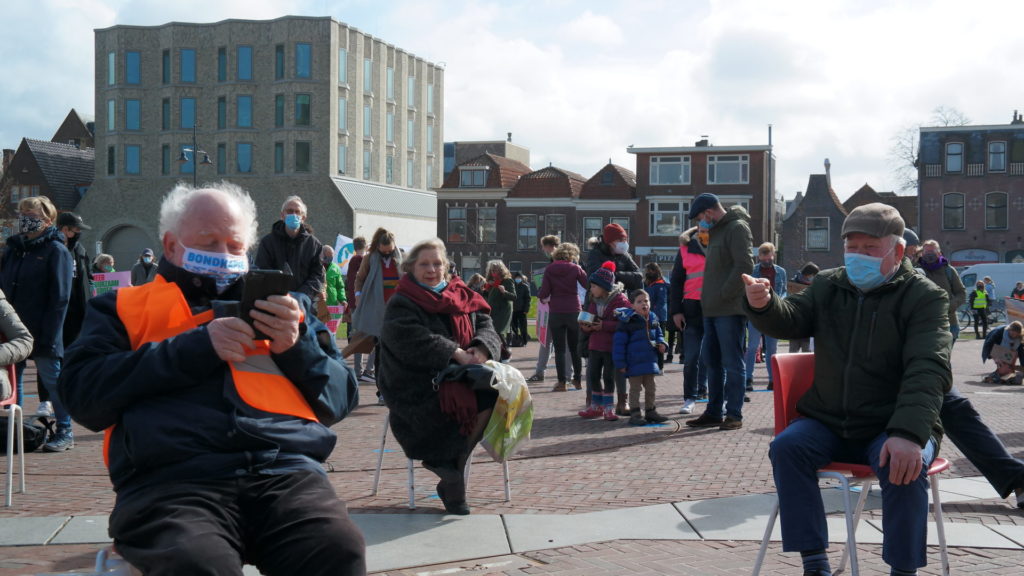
column 653, row 416
column 460, row 508
column 746, row 398
column 705, row 420
column 750, row 385
column 770, row 386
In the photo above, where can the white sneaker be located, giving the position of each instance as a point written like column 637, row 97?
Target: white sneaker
column 45, row 409
column 687, row 407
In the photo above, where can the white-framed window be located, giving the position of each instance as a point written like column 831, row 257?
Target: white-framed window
column 458, row 224
column 367, row 75
column 342, row 158
column 818, row 236
column 729, row 169
column 670, row 170
column 668, row 218
column 953, row 211
column 526, row 232
column 367, row 121
column 997, row 156
column 487, row 224
column 472, row 178
column 995, row 211
column 954, row 157
column 621, row 221
column 591, row 228
column 470, row 266
column 554, row 225
column 389, row 83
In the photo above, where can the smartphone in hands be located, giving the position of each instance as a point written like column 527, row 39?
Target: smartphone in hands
column 258, row 285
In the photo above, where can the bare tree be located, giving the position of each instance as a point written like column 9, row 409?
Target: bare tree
column 903, row 145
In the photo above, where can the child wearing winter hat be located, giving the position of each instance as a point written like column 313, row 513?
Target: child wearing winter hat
column 638, row 344
column 605, row 297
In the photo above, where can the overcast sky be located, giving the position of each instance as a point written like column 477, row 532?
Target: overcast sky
column 576, row 82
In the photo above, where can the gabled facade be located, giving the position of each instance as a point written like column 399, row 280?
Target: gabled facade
column 971, row 190
column 61, row 172
column 905, row 205
column 812, row 230
column 77, row 130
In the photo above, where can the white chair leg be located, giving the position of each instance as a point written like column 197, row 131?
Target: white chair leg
column 9, row 481
column 763, row 551
column 412, row 485
column 851, row 528
column 20, row 429
column 939, row 527
column 508, row 485
column 380, row 456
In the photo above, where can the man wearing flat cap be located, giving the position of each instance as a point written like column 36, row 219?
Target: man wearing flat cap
column 71, row 226
column 882, row 346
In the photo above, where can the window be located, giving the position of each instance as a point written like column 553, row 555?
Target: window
column 222, row 158
column 954, row 157
column 342, row 115
column 430, row 98
column 188, row 113
column 666, row 218
column 302, row 112
column 515, row 266
column 624, row 222
column 472, row 178
column 470, row 266
column 368, row 76
column 165, row 159
column 243, row 153
column 187, row 65
column 111, row 115
column 410, row 173
column 592, row 226
column 818, row 236
column 729, row 169
column 186, row 167
column 279, row 62
column 243, row 67
column 367, row 170
column 342, row 159
column 997, row 156
column 131, row 159
column 457, row 224
column 222, row 64
column 278, row 157
column 342, row 66
column 389, row 169
column 953, row 211
column 222, row 112
column 410, row 133
column 389, row 89
column 303, row 60
column 487, row 225
column 411, row 93
column 554, row 224
column 132, row 68
column 243, row 115
column 279, row 110
column 110, row 161
column 165, row 114
column 668, row 170
column 111, row 68
column 995, row 211
column 131, row 114
column 607, row 178
column 430, row 139
column 430, row 174
column 165, row 67
column 526, row 232
column 367, row 119
column 391, row 128
column 303, row 157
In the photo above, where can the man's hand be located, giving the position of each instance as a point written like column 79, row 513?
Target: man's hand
column 230, row 338
column 278, row 317
column 472, row 355
column 903, row 458
column 680, row 321
column 759, row 291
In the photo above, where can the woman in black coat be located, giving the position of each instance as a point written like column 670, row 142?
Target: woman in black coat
column 431, row 322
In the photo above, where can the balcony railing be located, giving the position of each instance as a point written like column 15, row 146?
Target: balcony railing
column 1016, row 168
column 976, row 169
column 932, row 170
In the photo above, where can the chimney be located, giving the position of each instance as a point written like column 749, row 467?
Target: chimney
column 703, row 142
column 1017, row 118
column 509, row 136
column 828, row 173
column 8, row 156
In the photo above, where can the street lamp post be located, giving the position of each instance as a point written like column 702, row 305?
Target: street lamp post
column 184, row 159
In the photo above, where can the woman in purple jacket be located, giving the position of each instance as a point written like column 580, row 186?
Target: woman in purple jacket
column 560, row 288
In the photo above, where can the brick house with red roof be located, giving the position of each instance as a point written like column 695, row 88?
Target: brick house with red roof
column 812, row 230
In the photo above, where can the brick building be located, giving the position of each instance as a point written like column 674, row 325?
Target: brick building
column 811, row 231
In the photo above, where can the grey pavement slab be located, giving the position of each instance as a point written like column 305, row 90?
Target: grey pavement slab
column 733, row 518
column 960, row 489
column 395, row 541
column 83, row 530
column 1013, row 533
column 539, row 531
column 29, row 531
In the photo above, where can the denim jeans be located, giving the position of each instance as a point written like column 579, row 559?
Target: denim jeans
column 802, row 449
column 979, row 444
column 753, row 341
column 695, row 373
column 723, row 355
column 47, row 372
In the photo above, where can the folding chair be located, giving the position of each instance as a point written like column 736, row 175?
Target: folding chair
column 15, row 425
column 411, row 483
column 793, row 375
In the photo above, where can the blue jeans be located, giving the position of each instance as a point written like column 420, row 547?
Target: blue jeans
column 47, row 372
column 695, row 373
column 979, row 444
column 753, row 341
column 723, row 356
column 802, row 449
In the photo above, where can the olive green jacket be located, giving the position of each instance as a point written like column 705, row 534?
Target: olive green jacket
column 881, row 358
column 728, row 258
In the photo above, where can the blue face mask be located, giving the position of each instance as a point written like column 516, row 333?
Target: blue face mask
column 224, row 268
column 292, row 221
column 436, row 288
column 864, row 272
column 704, row 224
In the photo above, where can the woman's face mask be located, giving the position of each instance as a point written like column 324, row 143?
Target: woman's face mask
column 29, row 224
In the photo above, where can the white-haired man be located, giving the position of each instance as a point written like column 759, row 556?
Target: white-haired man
column 291, row 246
column 214, row 440
column 882, row 346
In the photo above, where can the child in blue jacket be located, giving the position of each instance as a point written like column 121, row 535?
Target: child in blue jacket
column 638, row 343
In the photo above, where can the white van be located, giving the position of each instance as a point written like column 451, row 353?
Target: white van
column 1005, row 276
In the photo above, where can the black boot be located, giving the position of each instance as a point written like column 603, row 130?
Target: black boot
column 452, row 487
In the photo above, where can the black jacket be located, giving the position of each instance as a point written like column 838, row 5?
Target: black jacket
column 626, row 270
column 299, row 255
column 36, row 276
column 522, row 303
column 81, row 291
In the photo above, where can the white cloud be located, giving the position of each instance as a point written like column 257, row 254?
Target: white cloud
column 593, row 28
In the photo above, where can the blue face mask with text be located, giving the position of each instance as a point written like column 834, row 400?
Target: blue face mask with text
column 224, row 268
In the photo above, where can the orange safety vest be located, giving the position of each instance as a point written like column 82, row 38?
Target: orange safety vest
column 693, row 264
column 158, row 310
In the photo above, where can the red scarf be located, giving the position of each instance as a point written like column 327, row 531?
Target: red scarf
column 457, row 300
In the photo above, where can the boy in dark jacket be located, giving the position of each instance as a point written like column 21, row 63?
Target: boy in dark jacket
column 638, row 345
column 520, row 307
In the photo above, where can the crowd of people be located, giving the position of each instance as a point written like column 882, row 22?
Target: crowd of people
column 198, row 412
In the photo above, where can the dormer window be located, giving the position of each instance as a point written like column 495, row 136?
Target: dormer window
column 473, row 177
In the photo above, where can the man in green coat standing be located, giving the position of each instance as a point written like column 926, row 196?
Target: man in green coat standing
column 882, row 346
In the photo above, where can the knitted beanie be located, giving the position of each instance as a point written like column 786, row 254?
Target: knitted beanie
column 613, row 233
column 604, row 276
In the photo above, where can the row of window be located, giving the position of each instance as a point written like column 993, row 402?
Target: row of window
column 955, row 157
column 721, row 169
column 996, row 211
column 480, row 225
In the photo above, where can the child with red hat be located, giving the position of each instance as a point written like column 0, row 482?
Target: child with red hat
column 605, row 297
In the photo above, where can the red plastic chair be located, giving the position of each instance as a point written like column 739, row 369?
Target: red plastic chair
column 793, row 375
column 15, row 425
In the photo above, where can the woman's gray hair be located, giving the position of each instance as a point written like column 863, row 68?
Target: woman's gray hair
column 409, row 262
column 175, row 205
